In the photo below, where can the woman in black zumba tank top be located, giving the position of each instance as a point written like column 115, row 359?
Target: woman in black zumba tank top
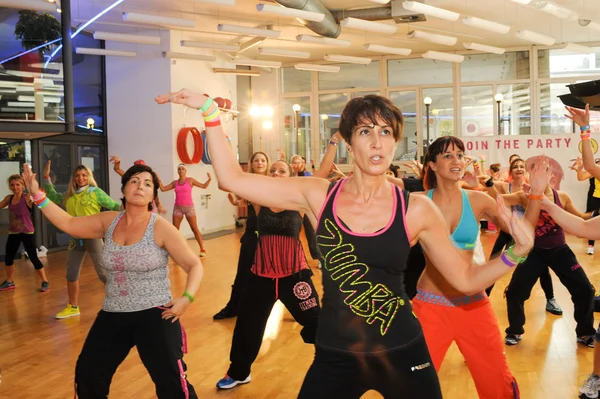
column 368, row 337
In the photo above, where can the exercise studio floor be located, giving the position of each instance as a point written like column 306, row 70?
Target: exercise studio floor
column 38, row 353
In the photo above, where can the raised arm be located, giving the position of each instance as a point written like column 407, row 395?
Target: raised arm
column 571, row 208
column 329, row 157
column 196, row 183
column 292, row 194
column 168, row 187
column 426, row 220
column 105, row 201
column 52, row 194
column 582, row 118
column 116, row 161
column 572, row 224
column 82, row 227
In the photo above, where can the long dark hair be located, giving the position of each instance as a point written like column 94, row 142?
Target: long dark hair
column 136, row 170
column 439, row 146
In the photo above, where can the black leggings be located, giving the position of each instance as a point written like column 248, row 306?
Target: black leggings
column 593, row 204
column 160, row 346
column 245, row 261
column 564, row 263
column 406, row 372
column 299, row 296
column 12, row 246
column 502, row 241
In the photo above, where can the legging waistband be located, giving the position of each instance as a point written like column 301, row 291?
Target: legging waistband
column 453, row 301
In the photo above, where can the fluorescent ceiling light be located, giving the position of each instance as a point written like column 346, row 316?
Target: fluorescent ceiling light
column 357, row 23
column 524, row 2
column 388, row 50
column 235, row 72
column 433, row 37
column 197, row 57
column 100, row 51
column 486, row 25
column 32, row 99
column 318, row 68
column 577, row 48
column 257, row 63
column 283, row 53
column 158, row 20
column 348, row 59
column 556, row 10
column 484, row 48
column 381, row 1
column 244, row 30
column 219, row 2
column 121, row 37
column 432, row 11
column 323, row 40
column 290, row 12
column 215, row 46
column 18, row 104
column 36, row 5
column 436, row 55
column 535, row 37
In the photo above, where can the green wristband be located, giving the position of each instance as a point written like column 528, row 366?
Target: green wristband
column 512, row 256
column 188, row 296
column 206, row 105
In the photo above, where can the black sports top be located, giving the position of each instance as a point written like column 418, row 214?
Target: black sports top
column 251, row 222
column 365, row 308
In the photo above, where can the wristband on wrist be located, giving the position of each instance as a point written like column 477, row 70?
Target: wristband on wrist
column 188, row 296
column 216, row 122
column 331, row 142
column 206, row 105
column 507, row 261
column 536, row 197
column 586, row 136
column 38, row 196
column 490, row 182
column 44, row 203
column 586, row 127
column 512, row 256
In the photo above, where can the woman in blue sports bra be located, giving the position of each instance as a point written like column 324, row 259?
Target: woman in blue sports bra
column 446, row 314
column 368, row 337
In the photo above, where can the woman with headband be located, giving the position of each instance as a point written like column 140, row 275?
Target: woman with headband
column 184, row 204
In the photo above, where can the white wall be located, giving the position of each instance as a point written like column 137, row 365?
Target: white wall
column 139, row 128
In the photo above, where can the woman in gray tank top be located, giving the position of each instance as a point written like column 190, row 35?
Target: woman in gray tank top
column 138, row 309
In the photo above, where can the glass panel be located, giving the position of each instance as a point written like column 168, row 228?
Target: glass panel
column 439, row 119
column 60, row 174
column 330, row 109
column 407, row 102
column 351, row 76
column 13, row 154
column 362, row 94
column 31, row 84
column 559, row 63
column 87, row 81
column 515, row 109
column 477, row 111
column 90, row 157
column 488, row 67
column 296, row 127
column 553, row 120
column 294, row 80
column 418, row 71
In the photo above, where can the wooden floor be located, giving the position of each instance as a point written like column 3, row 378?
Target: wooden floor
column 38, row 353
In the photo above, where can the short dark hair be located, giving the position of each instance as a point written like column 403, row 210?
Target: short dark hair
column 495, row 167
column 369, row 108
column 136, row 170
column 439, row 146
column 394, row 169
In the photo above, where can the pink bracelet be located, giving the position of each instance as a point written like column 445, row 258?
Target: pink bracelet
column 40, row 194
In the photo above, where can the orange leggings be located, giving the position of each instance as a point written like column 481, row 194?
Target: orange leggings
column 474, row 327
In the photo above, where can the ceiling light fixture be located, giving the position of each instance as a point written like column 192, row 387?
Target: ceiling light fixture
column 241, row 72
column 432, row 11
column 433, row 37
column 357, row 23
column 121, row 37
column 436, row 55
column 381, row 1
column 197, row 57
column 323, row 40
column 290, row 12
column 158, row 20
column 101, row 51
column 484, row 48
column 35, row 5
column 219, row 2
column 348, row 59
column 535, row 37
column 486, row 25
column 318, row 68
column 388, row 50
column 577, row 48
column 524, row 2
column 556, row 10
column 214, row 46
column 283, row 53
column 244, row 30
column 257, row 63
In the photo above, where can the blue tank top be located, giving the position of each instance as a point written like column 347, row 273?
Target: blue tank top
column 520, row 209
column 465, row 234
column 365, row 308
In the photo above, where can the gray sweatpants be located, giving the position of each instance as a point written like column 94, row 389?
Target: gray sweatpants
column 77, row 253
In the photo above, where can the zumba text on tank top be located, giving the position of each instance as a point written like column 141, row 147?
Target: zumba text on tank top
column 548, row 234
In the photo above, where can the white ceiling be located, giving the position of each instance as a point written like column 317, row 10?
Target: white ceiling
column 244, row 12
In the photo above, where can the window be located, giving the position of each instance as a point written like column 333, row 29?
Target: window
column 559, row 63
column 330, row 109
column 552, row 110
column 351, row 76
column 477, row 111
column 418, row 71
column 441, row 113
column 407, row 102
column 296, row 131
column 515, row 109
column 294, row 80
column 489, row 67
column 87, row 87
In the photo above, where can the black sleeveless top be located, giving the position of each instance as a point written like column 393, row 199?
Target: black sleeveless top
column 251, row 222
column 365, row 308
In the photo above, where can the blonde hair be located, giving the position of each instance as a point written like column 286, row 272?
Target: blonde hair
column 251, row 170
column 73, row 186
column 17, row 177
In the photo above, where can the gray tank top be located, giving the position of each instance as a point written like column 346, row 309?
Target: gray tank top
column 137, row 276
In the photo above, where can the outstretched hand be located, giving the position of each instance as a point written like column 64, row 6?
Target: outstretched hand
column 579, row 116
column 47, row 169
column 520, row 229
column 539, row 176
column 577, row 164
column 114, row 159
column 31, row 182
column 185, row 97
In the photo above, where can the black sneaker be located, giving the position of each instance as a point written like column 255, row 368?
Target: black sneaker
column 225, row 313
column 512, row 339
column 586, row 340
column 45, row 286
column 7, row 285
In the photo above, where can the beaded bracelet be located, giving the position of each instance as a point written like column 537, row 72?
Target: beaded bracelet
column 188, row 296
column 507, row 261
column 587, row 127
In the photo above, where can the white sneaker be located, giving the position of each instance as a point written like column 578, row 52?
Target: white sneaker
column 42, row 251
column 590, row 250
column 590, row 387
